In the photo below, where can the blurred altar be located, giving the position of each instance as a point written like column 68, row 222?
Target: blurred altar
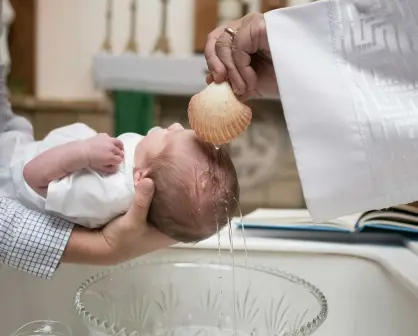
column 126, row 65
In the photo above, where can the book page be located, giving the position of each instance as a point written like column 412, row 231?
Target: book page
column 400, row 216
column 271, row 218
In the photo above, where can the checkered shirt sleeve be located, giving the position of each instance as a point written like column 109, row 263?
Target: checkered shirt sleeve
column 31, row 241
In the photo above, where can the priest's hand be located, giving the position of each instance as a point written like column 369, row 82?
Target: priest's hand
column 239, row 52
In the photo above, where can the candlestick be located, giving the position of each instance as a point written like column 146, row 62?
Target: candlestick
column 107, row 44
column 132, row 45
column 163, row 43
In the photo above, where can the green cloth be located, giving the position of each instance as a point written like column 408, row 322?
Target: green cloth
column 134, row 112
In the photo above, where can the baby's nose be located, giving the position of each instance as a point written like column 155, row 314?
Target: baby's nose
column 154, row 129
column 175, row 126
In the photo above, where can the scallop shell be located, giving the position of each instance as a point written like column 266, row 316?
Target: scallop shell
column 217, row 116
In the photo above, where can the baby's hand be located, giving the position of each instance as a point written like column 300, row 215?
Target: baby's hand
column 104, row 153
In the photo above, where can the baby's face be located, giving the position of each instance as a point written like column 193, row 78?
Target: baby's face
column 174, row 140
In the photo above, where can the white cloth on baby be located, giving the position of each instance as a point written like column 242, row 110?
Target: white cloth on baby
column 87, row 197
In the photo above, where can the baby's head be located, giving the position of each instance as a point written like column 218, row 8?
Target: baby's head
column 196, row 185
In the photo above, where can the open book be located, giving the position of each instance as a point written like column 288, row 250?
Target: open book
column 399, row 219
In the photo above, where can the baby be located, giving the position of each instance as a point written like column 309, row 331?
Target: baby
column 89, row 178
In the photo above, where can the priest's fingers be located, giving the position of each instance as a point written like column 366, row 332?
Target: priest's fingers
column 216, row 68
column 250, row 39
column 242, row 59
column 223, row 48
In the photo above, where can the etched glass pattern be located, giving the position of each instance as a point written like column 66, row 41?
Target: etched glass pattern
column 190, row 298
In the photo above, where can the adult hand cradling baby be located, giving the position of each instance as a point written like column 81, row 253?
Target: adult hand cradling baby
column 122, row 239
column 130, row 235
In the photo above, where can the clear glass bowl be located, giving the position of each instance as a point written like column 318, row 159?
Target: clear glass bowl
column 196, row 298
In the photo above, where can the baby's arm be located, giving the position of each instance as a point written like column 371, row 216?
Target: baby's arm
column 101, row 153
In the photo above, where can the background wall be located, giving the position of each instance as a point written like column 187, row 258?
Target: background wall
column 70, row 33
column 64, row 72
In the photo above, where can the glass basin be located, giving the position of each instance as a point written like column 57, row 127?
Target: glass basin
column 190, row 298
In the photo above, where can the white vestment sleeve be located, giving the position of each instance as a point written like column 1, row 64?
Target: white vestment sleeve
column 348, row 77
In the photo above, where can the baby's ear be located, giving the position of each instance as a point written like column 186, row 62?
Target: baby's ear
column 139, row 174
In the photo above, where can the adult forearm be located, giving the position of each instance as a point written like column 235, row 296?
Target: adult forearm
column 36, row 243
column 87, row 247
column 31, row 241
column 97, row 247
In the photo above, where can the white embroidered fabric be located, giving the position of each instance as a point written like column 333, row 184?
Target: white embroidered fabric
column 348, row 77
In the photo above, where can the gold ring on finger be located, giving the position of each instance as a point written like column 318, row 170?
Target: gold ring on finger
column 230, row 31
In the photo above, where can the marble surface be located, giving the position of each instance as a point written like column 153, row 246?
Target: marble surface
column 401, row 262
